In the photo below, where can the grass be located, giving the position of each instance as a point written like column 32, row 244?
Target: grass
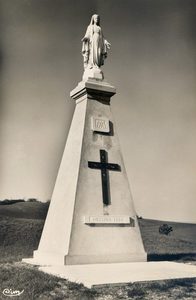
column 38, row 285
column 18, row 237
column 181, row 240
column 21, row 225
column 26, row 210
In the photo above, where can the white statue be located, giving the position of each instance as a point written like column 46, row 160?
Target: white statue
column 94, row 45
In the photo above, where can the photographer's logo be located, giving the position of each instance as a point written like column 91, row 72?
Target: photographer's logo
column 12, row 293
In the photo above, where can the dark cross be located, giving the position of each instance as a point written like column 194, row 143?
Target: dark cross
column 104, row 166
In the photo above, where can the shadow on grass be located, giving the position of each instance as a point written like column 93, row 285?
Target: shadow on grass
column 171, row 256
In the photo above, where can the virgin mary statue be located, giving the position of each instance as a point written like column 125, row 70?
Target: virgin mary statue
column 94, row 45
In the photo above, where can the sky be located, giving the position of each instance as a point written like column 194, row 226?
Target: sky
column 152, row 64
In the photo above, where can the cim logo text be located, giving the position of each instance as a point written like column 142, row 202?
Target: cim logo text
column 12, row 293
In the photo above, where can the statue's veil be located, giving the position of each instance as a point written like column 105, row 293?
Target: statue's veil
column 92, row 22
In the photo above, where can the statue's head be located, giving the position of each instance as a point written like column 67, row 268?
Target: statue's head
column 95, row 19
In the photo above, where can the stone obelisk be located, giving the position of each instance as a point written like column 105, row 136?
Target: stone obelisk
column 91, row 218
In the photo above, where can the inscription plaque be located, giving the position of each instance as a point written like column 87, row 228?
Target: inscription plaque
column 100, row 124
column 107, row 220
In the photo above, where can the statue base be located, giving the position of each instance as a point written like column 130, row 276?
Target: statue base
column 95, row 73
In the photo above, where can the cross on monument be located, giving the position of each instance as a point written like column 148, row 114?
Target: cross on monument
column 104, row 166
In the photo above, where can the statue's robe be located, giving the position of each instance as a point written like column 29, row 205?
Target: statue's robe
column 94, row 49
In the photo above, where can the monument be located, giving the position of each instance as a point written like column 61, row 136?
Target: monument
column 91, row 218
column 91, row 234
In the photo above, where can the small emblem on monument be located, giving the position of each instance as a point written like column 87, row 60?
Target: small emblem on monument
column 100, row 124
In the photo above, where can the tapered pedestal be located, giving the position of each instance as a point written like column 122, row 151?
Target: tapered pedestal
column 84, row 225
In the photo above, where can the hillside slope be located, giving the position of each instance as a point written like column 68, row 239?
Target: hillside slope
column 21, row 226
column 181, row 240
column 26, row 210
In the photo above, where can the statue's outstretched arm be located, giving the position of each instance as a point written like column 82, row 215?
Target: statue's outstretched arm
column 108, row 45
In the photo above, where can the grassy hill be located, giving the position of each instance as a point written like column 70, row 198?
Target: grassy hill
column 181, row 240
column 21, row 226
column 25, row 210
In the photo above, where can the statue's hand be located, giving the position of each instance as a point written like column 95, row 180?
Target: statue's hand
column 85, row 39
column 108, row 45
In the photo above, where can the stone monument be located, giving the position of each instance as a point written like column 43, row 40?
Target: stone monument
column 91, row 234
column 91, row 218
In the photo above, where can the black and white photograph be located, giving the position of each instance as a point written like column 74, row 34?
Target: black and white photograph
column 97, row 149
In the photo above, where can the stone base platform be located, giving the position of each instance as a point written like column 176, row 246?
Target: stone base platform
column 100, row 274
